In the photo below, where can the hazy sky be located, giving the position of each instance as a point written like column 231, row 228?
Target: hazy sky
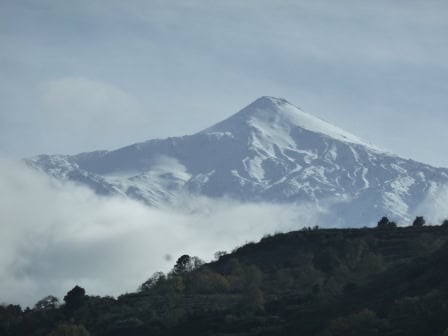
column 89, row 74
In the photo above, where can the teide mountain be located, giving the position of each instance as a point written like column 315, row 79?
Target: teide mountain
column 270, row 151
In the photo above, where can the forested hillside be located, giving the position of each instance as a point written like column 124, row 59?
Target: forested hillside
column 371, row 281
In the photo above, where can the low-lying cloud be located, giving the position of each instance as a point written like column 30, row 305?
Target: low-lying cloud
column 434, row 207
column 54, row 236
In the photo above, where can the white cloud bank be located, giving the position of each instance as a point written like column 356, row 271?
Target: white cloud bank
column 54, row 236
column 435, row 206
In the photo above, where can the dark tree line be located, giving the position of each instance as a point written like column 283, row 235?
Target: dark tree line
column 419, row 221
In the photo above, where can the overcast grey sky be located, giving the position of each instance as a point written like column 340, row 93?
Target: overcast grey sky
column 89, row 74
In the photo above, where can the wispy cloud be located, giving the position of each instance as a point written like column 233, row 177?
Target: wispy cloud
column 54, row 235
column 434, row 207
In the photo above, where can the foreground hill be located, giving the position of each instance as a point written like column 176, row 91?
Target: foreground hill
column 271, row 151
column 391, row 281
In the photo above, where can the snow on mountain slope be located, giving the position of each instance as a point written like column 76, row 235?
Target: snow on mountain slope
column 276, row 117
column 270, row 151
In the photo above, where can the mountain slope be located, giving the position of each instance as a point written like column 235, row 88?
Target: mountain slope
column 270, row 151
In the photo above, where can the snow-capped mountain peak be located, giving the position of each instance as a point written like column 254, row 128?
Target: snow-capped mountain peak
column 270, row 151
column 278, row 115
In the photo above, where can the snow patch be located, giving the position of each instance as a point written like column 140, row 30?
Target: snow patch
column 402, row 184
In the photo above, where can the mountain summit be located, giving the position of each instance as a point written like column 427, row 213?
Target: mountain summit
column 278, row 115
column 270, row 151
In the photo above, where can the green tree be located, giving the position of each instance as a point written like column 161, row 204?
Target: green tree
column 392, row 225
column 326, row 260
column 419, row 221
column 365, row 323
column 206, row 281
column 219, row 254
column 253, row 296
column 48, row 302
column 183, row 264
column 66, row 329
column 126, row 326
column 75, row 298
column 384, row 223
column 354, row 251
column 186, row 264
column 152, row 282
